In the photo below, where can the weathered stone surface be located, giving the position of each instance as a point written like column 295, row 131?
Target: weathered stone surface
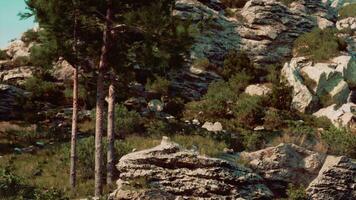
column 258, row 90
column 336, row 180
column 347, row 23
column 271, row 27
column 155, row 105
column 17, row 49
column 213, row 127
column 63, row 71
column 327, row 81
column 285, row 163
column 303, row 100
column 11, row 100
column 184, row 174
column 340, row 116
column 17, row 74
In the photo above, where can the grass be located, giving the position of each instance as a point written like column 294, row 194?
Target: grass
column 49, row 168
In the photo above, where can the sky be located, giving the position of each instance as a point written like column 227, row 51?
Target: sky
column 10, row 24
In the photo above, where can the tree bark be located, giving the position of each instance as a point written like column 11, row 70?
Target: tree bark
column 73, row 149
column 111, row 134
column 100, row 102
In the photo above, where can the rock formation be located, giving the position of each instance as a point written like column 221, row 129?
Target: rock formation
column 283, row 164
column 319, row 83
column 336, row 180
column 171, row 172
column 11, row 99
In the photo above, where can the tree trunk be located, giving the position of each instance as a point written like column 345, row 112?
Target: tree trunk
column 111, row 133
column 100, row 102
column 73, row 147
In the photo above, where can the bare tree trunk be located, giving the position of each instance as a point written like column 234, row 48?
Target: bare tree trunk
column 73, row 148
column 100, row 102
column 111, row 133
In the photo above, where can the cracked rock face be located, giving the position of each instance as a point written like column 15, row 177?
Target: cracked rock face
column 271, row 27
column 336, row 180
column 178, row 173
column 316, row 83
column 285, row 163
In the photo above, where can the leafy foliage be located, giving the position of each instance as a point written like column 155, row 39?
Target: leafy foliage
column 249, row 110
column 237, row 62
column 43, row 90
column 319, row 45
column 340, row 141
column 347, row 11
column 296, row 193
column 127, row 121
column 3, row 55
column 30, row 36
column 159, row 85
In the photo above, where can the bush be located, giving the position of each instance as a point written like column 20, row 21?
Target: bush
column 10, row 184
column 273, row 119
column 237, row 62
column 30, row 36
column 43, row 90
column 234, row 3
column 296, row 193
column 340, row 141
column 249, row 110
column 281, row 96
column 252, row 140
column 3, row 55
column 127, row 121
column 319, row 45
column 347, row 11
column 158, row 128
column 159, row 85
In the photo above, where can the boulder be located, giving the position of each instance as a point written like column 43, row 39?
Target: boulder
column 155, row 105
column 17, row 49
column 319, row 83
column 11, row 101
column 336, row 180
column 284, row 164
column 213, row 127
column 347, row 23
column 62, row 70
column 258, row 90
column 16, row 75
column 340, row 116
column 303, row 100
column 184, row 174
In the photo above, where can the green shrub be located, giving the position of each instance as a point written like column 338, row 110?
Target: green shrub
column 237, row 62
column 252, row 140
column 273, row 119
column 281, row 96
column 296, row 193
column 30, row 36
column 159, row 85
column 340, row 141
column 43, row 90
column 319, row 45
column 127, row 121
column 347, row 11
column 3, row 55
column 239, row 82
column 158, row 128
column 234, row 3
column 249, row 110
column 10, row 184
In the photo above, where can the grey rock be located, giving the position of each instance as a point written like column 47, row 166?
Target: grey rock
column 285, row 163
column 336, row 180
column 11, row 101
column 184, row 174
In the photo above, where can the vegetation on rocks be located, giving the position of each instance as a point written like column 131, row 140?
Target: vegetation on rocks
column 319, row 45
column 347, row 11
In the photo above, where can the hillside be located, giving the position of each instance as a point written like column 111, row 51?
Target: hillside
column 189, row 99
